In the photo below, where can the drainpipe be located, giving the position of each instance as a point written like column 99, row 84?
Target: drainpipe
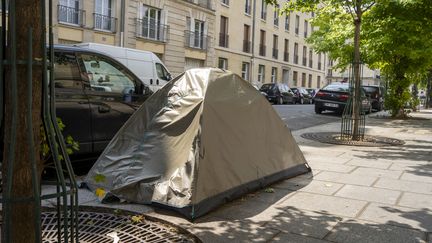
column 122, row 22
column 253, row 42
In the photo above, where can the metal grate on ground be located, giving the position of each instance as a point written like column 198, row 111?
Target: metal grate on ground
column 107, row 227
column 367, row 141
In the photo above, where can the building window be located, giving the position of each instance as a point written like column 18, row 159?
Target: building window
column 274, row 75
column 295, row 77
column 248, row 7
column 295, row 53
column 223, row 63
column 246, row 39
column 69, row 12
column 304, row 56
column 306, row 24
column 310, row 81
column 149, row 24
column 275, row 47
column 223, row 34
column 286, row 50
column 226, row 2
column 303, row 79
column 261, row 73
column 297, row 24
column 245, row 71
column 276, row 15
column 319, row 61
column 318, row 81
column 262, row 50
column 103, row 19
column 195, row 36
column 263, row 10
column 310, row 59
column 287, row 22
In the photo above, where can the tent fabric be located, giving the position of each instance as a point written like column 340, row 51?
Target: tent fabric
column 206, row 137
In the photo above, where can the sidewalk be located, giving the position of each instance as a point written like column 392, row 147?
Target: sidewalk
column 354, row 194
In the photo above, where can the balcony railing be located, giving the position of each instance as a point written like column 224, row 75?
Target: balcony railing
column 296, row 30
column 196, row 40
column 276, row 21
column 150, row 28
column 263, row 15
column 246, row 46
column 262, row 50
column 286, row 56
column 223, row 40
column 304, row 62
column 305, row 34
column 275, row 53
column 70, row 15
column 310, row 63
column 103, row 22
column 319, row 66
column 295, row 59
column 203, row 3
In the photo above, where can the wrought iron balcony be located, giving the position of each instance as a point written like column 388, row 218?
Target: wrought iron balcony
column 246, row 46
column 150, row 28
column 319, row 66
column 262, row 50
column 195, row 40
column 70, row 15
column 286, row 56
column 223, row 40
column 310, row 63
column 295, row 59
column 275, row 53
column 103, row 22
column 304, row 61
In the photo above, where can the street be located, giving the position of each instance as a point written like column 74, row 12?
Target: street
column 303, row 116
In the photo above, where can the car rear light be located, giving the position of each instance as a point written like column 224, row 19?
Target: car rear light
column 343, row 97
column 320, row 94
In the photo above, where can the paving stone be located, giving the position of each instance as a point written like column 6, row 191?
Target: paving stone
column 377, row 173
column 324, row 159
column 346, row 178
column 420, row 219
column 332, row 167
column 370, row 163
column 292, row 238
column 305, row 223
column 319, row 187
column 363, row 231
column 217, row 230
column 412, row 176
column 410, row 166
column 415, row 200
column 369, row 194
column 324, row 204
column 407, row 186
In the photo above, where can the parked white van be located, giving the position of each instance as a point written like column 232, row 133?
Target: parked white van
column 145, row 64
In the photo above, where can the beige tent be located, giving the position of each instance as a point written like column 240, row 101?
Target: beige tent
column 205, row 138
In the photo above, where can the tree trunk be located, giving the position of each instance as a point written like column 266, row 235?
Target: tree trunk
column 28, row 15
column 357, row 81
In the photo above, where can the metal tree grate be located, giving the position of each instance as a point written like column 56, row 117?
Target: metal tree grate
column 97, row 227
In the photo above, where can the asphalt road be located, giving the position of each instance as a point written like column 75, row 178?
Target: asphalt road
column 303, row 116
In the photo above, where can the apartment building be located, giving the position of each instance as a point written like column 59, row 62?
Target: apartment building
column 254, row 41
column 178, row 31
column 368, row 76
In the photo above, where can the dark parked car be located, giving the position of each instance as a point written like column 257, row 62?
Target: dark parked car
column 376, row 94
column 334, row 97
column 277, row 93
column 95, row 95
column 302, row 96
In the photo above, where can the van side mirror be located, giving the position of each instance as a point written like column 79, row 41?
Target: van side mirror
column 168, row 77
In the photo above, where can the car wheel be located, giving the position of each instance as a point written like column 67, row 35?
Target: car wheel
column 318, row 110
column 310, row 101
column 280, row 100
column 380, row 106
column 301, row 101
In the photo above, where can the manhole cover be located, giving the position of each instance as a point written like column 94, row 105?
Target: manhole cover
column 368, row 141
column 95, row 227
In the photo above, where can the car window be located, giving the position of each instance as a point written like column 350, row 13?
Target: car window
column 162, row 73
column 336, row 87
column 370, row 89
column 66, row 71
column 266, row 87
column 106, row 75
